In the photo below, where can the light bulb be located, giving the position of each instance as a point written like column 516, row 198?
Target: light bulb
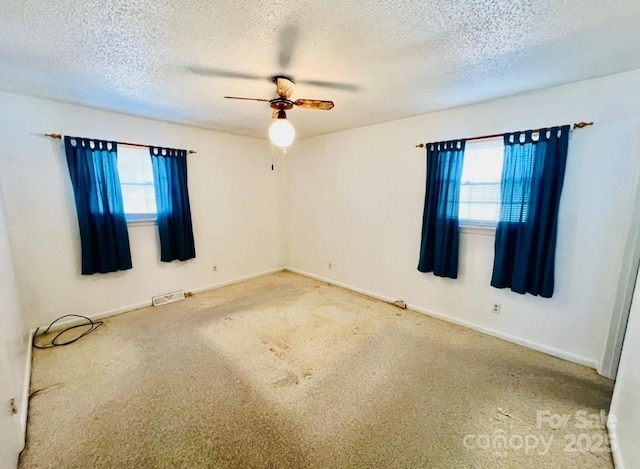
column 282, row 133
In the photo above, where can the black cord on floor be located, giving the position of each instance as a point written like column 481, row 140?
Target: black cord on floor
column 92, row 325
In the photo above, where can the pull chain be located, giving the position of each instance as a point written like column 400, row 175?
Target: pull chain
column 272, row 167
column 284, row 152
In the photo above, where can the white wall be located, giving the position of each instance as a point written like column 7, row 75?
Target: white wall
column 236, row 203
column 624, row 420
column 355, row 198
column 14, row 339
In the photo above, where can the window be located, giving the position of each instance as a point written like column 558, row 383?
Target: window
column 480, row 186
column 136, row 180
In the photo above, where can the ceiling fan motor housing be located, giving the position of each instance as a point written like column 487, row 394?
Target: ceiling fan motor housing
column 281, row 104
column 284, row 90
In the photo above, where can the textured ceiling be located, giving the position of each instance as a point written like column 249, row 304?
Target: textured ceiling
column 174, row 60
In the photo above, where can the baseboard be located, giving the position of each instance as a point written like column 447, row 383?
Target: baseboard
column 613, row 441
column 386, row 299
column 73, row 321
column 509, row 338
column 125, row 309
column 236, row 280
column 469, row 325
column 26, row 389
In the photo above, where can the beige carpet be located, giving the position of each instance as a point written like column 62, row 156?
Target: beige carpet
column 288, row 372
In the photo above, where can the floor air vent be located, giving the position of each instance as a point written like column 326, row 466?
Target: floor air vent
column 168, row 298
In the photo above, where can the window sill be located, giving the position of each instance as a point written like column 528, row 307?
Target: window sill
column 485, row 230
column 149, row 222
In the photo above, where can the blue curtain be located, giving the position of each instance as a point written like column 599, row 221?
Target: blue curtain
column 439, row 245
column 172, row 200
column 103, row 228
column 532, row 178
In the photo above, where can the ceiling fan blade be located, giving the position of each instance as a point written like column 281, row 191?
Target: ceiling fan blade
column 314, row 104
column 247, row 99
column 288, row 39
column 285, row 86
column 216, row 72
column 331, row 85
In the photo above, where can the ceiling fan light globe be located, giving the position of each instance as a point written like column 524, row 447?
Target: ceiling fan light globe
column 282, row 133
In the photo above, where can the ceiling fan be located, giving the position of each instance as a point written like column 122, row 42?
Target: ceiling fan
column 282, row 132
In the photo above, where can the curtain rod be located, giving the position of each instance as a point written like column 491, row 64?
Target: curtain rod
column 128, row 144
column 577, row 125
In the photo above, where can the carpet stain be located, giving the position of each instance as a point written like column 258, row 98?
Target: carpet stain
column 290, row 379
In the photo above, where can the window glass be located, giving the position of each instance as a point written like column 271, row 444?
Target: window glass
column 480, row 186
column 136, row 180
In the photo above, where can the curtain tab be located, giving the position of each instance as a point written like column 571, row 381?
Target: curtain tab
column 528, row 136
column 91, row 144
column 512, row 138
column 161, row 151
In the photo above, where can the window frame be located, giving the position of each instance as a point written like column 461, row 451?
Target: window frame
column 137, row 219
column 477, row 226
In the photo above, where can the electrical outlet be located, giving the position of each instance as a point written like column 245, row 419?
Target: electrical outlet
column 495, row 308
column 215, row 268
